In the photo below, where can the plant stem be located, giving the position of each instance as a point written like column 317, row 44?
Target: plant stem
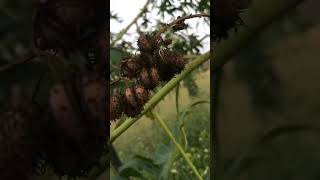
column 172, row 138
column 177, row 100
column 114, row 159
column 161, row 94
column 124, row 31
column 180, row 19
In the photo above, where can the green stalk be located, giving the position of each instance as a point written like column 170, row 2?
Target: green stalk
column 172, row 138
column 177, row 99
column 161, row 94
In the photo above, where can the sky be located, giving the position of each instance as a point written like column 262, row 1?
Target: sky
column 127, row 11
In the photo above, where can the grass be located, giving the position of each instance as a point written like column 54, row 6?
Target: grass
column 146, row 135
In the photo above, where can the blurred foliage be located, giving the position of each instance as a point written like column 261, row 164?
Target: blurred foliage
column 148, row 159
column 154, row 160
column 290, row 153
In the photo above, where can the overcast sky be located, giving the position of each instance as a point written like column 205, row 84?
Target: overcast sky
column 128, row 9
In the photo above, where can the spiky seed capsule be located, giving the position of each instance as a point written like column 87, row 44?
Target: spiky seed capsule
column 147, row 43
column 144, row 77
column 64, row 114
column 130, row 67
column 155, row 77
column 171, row 64
column 149, row 78
column 77, row 129
column 135, row 98
column 94, row 95
column 141, row 94
column 115, row 107
column 130, row 97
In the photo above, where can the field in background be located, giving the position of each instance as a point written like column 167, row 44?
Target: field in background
column 145, row 137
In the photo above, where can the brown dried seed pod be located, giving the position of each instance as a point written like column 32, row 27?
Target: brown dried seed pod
column 132, row 111
column 94, row 95
column 144, row 78
column 77, row 129
column 141, row 94
column 64, row 114
column 130, row 67
column 116, row 107
column 130, row 97
column 155, row 77
column 171, row 64
column 135, row 97
column 147, row 43
column 149, row 78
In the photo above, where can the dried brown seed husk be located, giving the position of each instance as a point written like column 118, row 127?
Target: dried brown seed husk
column 75, row 142
column 144, row 77
column 149, row 78
column 130, row 97
column 141, row 94
column 171, row 64
column 133, row 111
column 148, row 43
column 135, row 97
column 116, row 107
column 149, row 59
column 94, row 94
column 130, row 67
column 64, row 113
column 155, row 77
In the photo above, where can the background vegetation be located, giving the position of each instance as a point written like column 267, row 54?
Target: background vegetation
column 145, row 151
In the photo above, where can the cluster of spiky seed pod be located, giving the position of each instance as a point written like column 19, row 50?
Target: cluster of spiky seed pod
column 67, row 131
column 76, row 130
column 69, row 134
column 147, row 70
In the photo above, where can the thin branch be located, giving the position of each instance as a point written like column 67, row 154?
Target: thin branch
column 179, row 147
column 179, row 20
column 123, row 32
